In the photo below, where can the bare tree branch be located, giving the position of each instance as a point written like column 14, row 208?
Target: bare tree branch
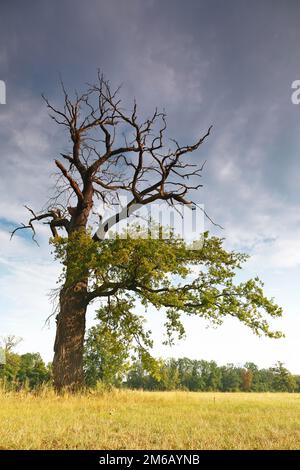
column 102, row 166
column 53, row 217
column 72, row 182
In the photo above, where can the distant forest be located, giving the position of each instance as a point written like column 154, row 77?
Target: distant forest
column 30, row 372
column 200, row 375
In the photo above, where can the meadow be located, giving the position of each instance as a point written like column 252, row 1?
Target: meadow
column 123, row 419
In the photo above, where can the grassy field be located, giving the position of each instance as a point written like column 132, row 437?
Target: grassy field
column 150, row 420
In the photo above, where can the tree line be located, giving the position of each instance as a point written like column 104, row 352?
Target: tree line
column 205, row 376
column 29, row 371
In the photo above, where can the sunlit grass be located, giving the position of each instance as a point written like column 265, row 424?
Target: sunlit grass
column 149, row 420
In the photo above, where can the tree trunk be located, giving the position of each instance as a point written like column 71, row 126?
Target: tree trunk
column 70, row 330
column 68, row 347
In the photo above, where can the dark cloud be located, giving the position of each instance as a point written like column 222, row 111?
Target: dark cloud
column 230, row 64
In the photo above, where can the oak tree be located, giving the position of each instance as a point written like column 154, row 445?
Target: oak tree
column 112, row 153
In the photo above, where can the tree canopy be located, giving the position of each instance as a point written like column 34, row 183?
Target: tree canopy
column 134, row 269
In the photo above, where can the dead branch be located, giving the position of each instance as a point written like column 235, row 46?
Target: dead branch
column 53, row 218
column 113, row 152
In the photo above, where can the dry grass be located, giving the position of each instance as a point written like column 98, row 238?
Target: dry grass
column 150, row 420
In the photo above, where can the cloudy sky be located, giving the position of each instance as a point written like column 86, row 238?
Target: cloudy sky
column 230, row 64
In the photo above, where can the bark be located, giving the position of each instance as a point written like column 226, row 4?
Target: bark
column 69, row 341
column 70, row 329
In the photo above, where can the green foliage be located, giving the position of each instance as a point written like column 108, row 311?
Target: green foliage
column 282, row 379
column 133, row 270
column 119, row 336
column 195, row 375
column 32, row 370
column 9, row 370
column 109, row 362
column 231, row 378
column 26, row 370
column 106, row 356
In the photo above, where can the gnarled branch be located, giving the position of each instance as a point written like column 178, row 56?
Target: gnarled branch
column 53, row 218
